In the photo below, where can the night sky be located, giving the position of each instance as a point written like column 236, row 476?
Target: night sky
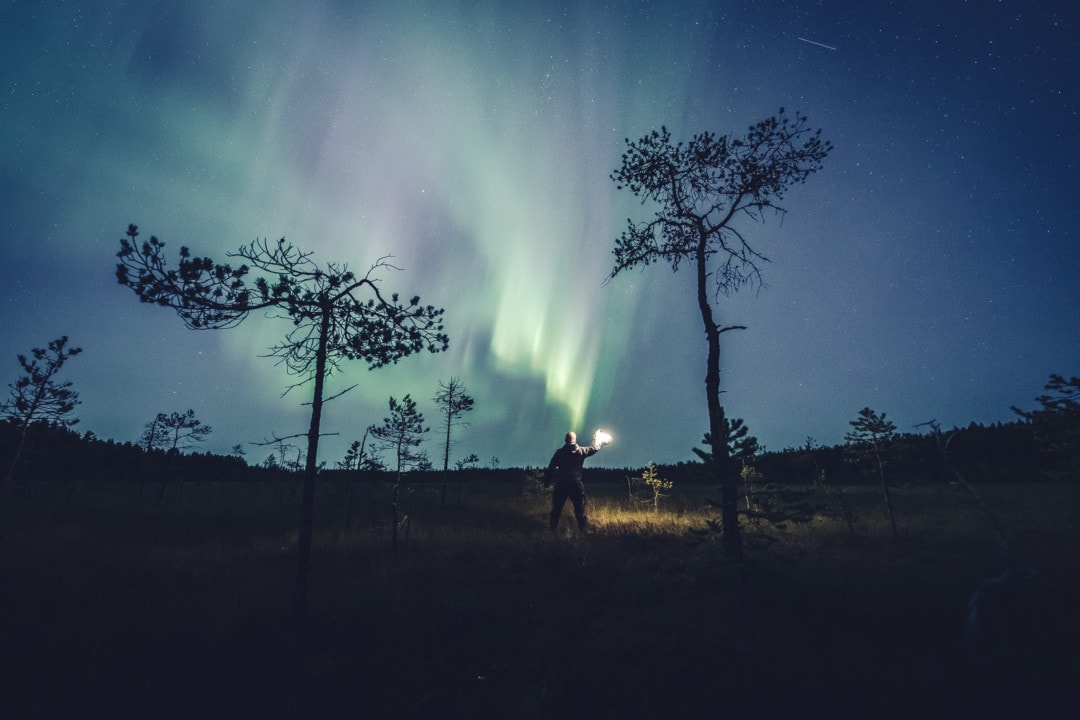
column 930, row 271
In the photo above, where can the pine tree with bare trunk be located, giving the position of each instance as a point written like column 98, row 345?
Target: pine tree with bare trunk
column 38, row 397
column 400, row 434
column 175, row 431
column 335, row 314
column 869, row 442
column 701, row 193
column 454, row 402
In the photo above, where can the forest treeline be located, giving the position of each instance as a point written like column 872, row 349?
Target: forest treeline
column 997, row 453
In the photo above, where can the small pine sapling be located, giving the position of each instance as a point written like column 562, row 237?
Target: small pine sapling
column 750, row 477
column 656, row 483
column 870, row 441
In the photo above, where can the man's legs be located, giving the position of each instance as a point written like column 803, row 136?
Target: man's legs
column 577, row 496
column 558, row 499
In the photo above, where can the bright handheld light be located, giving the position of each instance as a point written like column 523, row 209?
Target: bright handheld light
column 601, row 438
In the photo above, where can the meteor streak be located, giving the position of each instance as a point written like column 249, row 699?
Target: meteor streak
column 827, row 47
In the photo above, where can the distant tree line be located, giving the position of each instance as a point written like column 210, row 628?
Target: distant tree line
column 37, row 442
column 995, row 453
column 57, row 453
column 1001, row 452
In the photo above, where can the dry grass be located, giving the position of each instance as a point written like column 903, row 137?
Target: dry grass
column 113, row 603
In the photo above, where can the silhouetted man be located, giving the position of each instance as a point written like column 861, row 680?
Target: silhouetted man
column 565, row 466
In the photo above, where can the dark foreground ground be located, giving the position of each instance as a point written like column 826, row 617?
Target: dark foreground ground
column 114, row 605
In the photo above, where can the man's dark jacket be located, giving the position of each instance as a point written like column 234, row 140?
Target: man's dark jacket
column 566, row 463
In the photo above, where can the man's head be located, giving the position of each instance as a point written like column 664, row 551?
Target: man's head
column 571, row 438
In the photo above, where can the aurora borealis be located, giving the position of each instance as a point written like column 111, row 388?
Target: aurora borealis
column 930, row 271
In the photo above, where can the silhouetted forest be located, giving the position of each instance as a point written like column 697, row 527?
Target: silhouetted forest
column 998, row 453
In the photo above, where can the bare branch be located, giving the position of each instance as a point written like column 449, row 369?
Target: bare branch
column 278, row 440
column 335, row 397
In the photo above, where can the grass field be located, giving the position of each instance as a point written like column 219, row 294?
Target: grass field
column 117, row 605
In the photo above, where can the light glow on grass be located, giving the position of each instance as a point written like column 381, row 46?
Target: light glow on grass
column 611, row 518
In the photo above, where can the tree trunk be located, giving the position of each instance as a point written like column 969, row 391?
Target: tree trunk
column 18, row 452
column 729, row 490
column 446, row 454
column 885, row 489
column 307, row 512
column 394, row 508
column 847, row 513
column 394, row 514
column 28, row 418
